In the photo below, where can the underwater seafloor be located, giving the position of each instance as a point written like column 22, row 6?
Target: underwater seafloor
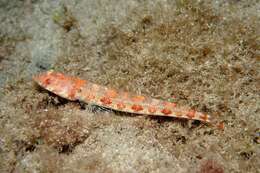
column 202, row 54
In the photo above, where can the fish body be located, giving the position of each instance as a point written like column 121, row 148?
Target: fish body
column 74, row 88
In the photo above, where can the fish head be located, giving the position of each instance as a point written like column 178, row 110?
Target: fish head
column 59, row 84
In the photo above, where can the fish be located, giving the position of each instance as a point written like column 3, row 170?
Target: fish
column 77, row 89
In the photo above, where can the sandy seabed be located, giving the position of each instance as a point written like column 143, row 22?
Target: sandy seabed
column 204, row 53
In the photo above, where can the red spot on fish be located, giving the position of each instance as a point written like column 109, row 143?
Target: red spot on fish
column 204, row 117
column 166, row 111
column 46, row 82
column 78, row 83
column 120, row 105
column 191, row 114
column 71, row 94
column 90, row 97
column 106, row 100
column 137, row 107
column 152, row 109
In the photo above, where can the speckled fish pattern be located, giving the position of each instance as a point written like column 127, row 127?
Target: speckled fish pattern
column 74, row 88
